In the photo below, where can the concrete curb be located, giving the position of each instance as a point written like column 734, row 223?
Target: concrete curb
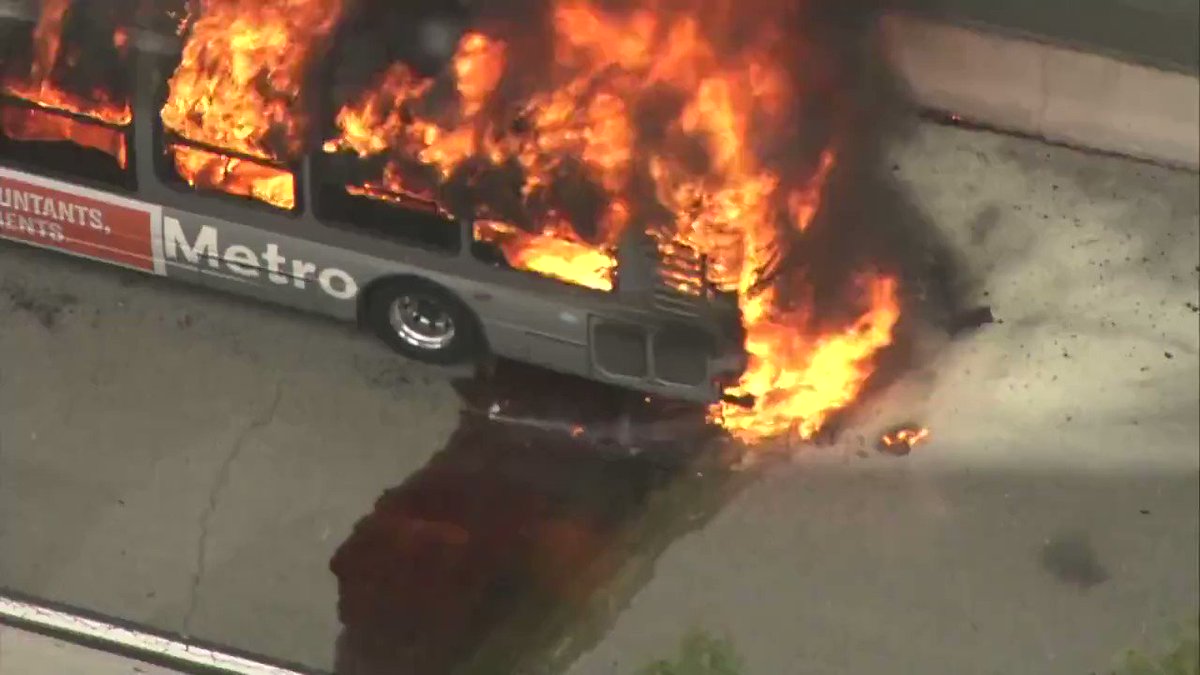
column 1057, row 93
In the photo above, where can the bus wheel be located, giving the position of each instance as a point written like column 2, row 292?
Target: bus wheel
column 423, row 321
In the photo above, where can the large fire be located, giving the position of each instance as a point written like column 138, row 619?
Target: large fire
column 665, row 116
column 97, row 116
column 238, row 89
column 582, row 122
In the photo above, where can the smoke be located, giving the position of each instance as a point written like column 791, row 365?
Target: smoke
column 837, row 96
column 870, row 219
column 826, row 93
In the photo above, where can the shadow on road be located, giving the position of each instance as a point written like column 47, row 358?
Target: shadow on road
column 519, row 542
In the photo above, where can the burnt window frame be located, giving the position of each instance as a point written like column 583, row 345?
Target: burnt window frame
column 118, row 178
column 168, row 176
column 63, row 166
column 164, row 162
column 325, row 194
column 341, row 49
column 492, row 255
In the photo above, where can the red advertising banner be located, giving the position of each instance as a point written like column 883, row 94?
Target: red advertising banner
column 77, row 220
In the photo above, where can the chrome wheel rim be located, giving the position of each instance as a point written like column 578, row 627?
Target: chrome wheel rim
column 421, row 322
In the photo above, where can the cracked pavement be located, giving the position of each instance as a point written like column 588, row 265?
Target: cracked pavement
column 222, row 480
column 167, row 450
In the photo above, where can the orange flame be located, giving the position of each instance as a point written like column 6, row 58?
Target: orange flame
column 731, row 207
column 563, row 125
column 39, row 88
column 555, row 252
column 235, row 176
column 38, row 125
column 799, row 380
column 238, row 88
column 905, row 439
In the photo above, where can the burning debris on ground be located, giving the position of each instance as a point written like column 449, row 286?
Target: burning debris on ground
column 736, row 137
column 901, row 440
column 615, row 422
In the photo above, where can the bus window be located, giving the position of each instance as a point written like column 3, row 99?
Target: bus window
column 63, row 112
column 407, row 219
column 236, row 107
column 553, row 252
column 252, row 178
column 221, row 172
column 59, row 144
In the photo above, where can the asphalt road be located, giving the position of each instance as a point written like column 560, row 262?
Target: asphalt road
column 280, row 484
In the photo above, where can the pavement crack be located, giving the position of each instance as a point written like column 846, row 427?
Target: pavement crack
column 214, row 496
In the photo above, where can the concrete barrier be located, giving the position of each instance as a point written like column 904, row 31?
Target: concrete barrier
column 1060, row 94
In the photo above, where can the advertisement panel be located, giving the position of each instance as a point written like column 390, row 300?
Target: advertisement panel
column 80, row 221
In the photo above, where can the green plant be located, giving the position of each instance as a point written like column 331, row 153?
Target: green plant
column 1182, row 659
column 699, row 654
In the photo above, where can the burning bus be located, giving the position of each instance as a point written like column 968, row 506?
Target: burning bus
column 167, row 158
column 602, row 188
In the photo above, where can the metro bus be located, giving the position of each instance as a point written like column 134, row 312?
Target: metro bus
column 418, row 277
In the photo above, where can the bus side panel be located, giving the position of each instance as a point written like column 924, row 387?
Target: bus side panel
column 80, row 221
column 529, row 324
column 524, row 318
column 511, row 340
column 260, row 263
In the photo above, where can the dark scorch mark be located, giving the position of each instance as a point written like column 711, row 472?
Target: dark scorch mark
column 1071, row 559
column 45, row 307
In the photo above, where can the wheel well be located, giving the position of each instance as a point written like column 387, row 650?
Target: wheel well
column 364, row 298
column 364, row 294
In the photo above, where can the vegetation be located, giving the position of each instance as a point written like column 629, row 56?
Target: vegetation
column 699, row 654
column 1183, row 658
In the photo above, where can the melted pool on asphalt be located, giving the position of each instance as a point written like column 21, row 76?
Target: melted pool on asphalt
column 492, row 554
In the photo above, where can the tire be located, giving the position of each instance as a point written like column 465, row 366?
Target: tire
column 424, row 322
